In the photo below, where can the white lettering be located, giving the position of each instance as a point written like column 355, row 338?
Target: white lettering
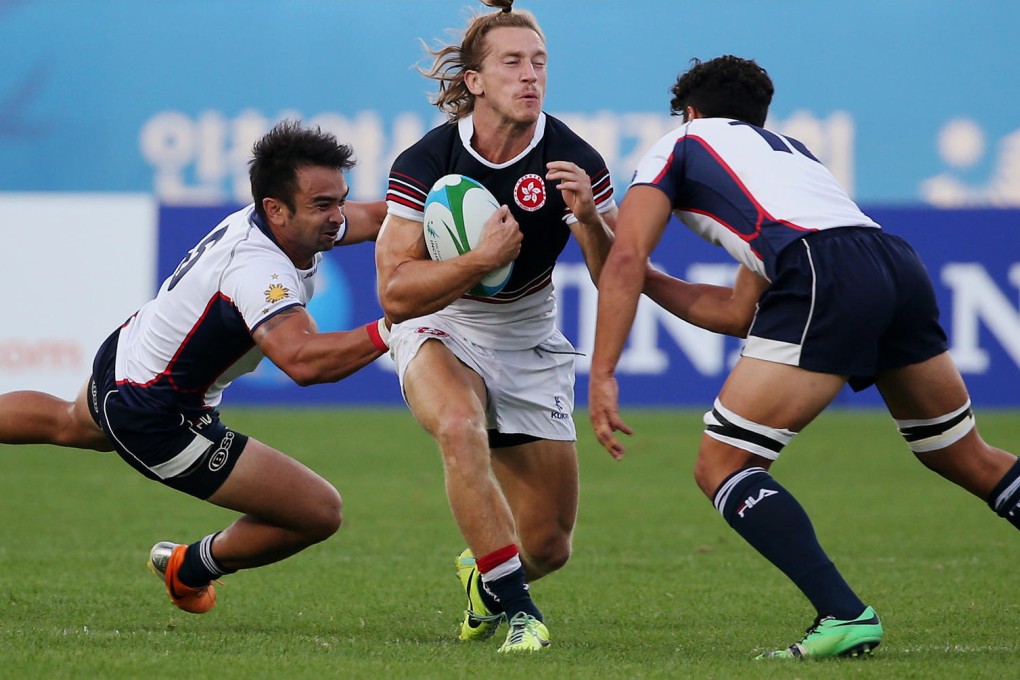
column 751, row 501
column 643, row 355
column 204, row 160
column 976, row 298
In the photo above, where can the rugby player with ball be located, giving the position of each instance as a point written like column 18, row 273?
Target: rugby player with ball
column 481, row 363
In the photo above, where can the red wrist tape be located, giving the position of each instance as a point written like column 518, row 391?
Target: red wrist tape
column 376, row 336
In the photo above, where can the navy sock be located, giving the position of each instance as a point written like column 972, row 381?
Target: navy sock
column 504, row 587
column 769, row 518
column 199, row 566
column 491, row 603
column 1005, row 497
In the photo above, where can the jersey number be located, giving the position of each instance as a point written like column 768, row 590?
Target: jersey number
column 778, row 142
column 188, row 262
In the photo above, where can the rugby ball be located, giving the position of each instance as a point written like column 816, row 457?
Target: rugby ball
column 456, row 210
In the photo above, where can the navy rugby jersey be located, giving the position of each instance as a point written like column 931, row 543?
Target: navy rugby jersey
column 526, row 302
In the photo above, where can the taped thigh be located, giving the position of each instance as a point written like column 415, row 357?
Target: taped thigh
column 935, row 434
column 761, row 440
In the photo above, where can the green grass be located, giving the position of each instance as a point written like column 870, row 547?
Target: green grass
column 659, row 587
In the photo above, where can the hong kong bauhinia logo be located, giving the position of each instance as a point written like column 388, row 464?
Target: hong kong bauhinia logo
column 529, row 192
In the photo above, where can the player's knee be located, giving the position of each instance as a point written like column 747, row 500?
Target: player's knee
column 706, row 472
column 935, row 434
column 68, row 426
column 547, row 554
column 734, row 443
column 462, row 441
column 325, row 515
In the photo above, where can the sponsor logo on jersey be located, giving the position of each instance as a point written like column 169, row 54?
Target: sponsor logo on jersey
column 751, row 502
column 222, row 452
column 529, row 192
column 276, row 292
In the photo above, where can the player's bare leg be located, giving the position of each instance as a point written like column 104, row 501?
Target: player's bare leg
column 762, row 406
column 29, row 417
column 932, row 392
column 448, row 400
column 286, row 508
column 540, row 481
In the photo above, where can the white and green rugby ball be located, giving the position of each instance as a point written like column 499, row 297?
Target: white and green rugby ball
column 456, row 210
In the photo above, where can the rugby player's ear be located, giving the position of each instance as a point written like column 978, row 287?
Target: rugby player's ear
column 275, row 210
column 473, row 82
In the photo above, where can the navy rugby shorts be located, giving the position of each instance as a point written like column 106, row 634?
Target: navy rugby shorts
column 194, row 455
column 850, row 301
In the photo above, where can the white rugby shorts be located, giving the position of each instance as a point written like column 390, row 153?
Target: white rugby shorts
column 530, row 391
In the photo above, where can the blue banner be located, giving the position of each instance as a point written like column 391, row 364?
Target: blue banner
column 973, row 257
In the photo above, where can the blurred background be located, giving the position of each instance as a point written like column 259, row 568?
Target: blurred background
column 126, row 126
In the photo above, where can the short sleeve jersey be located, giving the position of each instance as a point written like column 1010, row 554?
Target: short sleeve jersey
column 747, row 189
column 181, row 349
column 522, row 314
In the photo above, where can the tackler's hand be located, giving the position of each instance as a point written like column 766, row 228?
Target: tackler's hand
column 604, row 412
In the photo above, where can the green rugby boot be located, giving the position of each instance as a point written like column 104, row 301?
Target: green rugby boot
column 830, row 637
column 526, row 634
column 479, row 623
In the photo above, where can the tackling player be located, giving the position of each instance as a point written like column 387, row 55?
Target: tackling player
column 239, row 295
column 841, row 301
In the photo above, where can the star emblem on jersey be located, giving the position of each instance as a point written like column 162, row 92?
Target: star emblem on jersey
column 529, row 192
column 276, row 292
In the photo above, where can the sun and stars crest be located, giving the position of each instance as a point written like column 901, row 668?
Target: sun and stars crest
column 276, row 291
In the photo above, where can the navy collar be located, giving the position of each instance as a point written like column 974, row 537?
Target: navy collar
column 261, row 225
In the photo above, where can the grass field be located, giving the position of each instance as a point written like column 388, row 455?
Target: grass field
column 659, row 586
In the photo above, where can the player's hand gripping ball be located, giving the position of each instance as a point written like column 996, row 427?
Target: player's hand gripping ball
column 456, row 210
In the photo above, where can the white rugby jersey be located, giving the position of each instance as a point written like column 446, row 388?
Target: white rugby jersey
column 747, row 189
column 523, row 314
column 181, row 349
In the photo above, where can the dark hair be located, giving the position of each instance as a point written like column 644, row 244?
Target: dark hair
column 724, row 87
column 287, row 147
column 452, row 61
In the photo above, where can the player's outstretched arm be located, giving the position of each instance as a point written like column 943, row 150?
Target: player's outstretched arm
column 720, row 309
column 364, row 219
column 291, row 340
column 643, row 216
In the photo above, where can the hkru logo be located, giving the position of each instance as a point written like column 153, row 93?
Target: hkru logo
column 751, row 502
column 434, row 332
column 529, row 192
column 222, row 452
